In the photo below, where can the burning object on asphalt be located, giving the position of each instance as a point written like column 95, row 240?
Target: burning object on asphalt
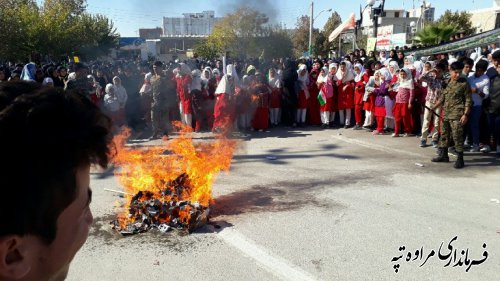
column 168, row 191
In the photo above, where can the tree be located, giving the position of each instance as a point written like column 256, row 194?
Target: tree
column 435, row 34
column 321, row 46
column 17, row 36
column 206, row 50
column 59, row 27
column 331, row 24
column 300, row 37
column 278, row 44
column 459, row 20
column 99, row 33
column 245, row 33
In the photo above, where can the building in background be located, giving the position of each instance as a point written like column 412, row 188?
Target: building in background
column 486, row 19
column 395, row 27
column 191, row 24
column 150, row 33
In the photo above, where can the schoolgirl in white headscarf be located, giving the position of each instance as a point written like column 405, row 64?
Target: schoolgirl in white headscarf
column 303, row 95
column 345, row 92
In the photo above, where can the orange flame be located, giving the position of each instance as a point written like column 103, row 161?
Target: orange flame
column 151, row 169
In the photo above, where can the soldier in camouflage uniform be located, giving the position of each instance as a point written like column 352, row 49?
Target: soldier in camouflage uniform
column 163, row 90
column 457, row 101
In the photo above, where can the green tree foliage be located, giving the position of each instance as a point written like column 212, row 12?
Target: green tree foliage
column 324, row 46
column 300, row 37
column 57, row 28
column 434, row 34
column 459, row 20
column 245, row 33
column 205, row 50
column 278, row 44
column 321, row 46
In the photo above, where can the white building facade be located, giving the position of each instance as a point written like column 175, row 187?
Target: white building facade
column 191, row 24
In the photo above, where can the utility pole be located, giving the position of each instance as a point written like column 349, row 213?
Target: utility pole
column 311, row 24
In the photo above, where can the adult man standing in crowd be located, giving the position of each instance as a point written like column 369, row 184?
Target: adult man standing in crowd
column 493, row 106
column 163, row 90
column 44, row 208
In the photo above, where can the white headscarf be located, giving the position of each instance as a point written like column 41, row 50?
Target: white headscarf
column 386, row 74
column 274, row 82
column 394, row 64
column 225, row 86
column 303, row 78
column 377, row 81
column 361, row 73
column 204, row 76
column 216, row 72
column 410, row 60
column 322, row 77
column 347, row 75
column 110, row 87
column 408, row 82
column 419, row 68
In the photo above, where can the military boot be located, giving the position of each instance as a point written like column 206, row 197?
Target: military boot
column 459, row 164
column 442, row 156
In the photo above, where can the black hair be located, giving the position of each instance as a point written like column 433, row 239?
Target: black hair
column 47, row 135
column 482, row 64
column 441, row 66
column 496, row 55
column 456, row 66
column 468, row 61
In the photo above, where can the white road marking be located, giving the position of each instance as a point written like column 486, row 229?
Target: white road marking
column 377, row 146
column 275, row 265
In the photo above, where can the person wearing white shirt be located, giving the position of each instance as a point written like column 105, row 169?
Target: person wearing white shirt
column 479, row 83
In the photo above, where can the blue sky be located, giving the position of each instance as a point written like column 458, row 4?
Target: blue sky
column 130, row 15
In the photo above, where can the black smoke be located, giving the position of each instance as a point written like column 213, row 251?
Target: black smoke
column 264, row 6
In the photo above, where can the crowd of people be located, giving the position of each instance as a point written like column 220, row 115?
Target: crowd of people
column 451, row 101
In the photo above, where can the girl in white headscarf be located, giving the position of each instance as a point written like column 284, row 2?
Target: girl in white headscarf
column 303, row 94
column 276, row 95
column 326, row 84
column 225, row 94
column 345, row 92
column 404, row 98
column 360, row 81
column 384, row 78
column 112, row 104
column 209, row 86
column 389, row 99
column 184, row 79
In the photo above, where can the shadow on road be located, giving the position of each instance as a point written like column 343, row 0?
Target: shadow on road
column 284, row 196
column 284, row 156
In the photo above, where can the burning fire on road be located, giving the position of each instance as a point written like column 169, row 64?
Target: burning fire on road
column 170, row 186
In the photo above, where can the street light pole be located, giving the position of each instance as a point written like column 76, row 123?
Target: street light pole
column 311, row 24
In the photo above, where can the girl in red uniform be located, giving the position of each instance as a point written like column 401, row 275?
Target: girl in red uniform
column 184, row 80
column 404, row 98
column 303, row 94
column 276, row 92
column 345, row 92
column 313, row 111
column 360, row 79
column 262, row 91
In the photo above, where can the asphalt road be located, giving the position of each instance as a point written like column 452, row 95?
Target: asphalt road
column 317, row 205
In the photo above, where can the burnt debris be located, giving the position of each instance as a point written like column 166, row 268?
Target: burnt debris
column 164, row 211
